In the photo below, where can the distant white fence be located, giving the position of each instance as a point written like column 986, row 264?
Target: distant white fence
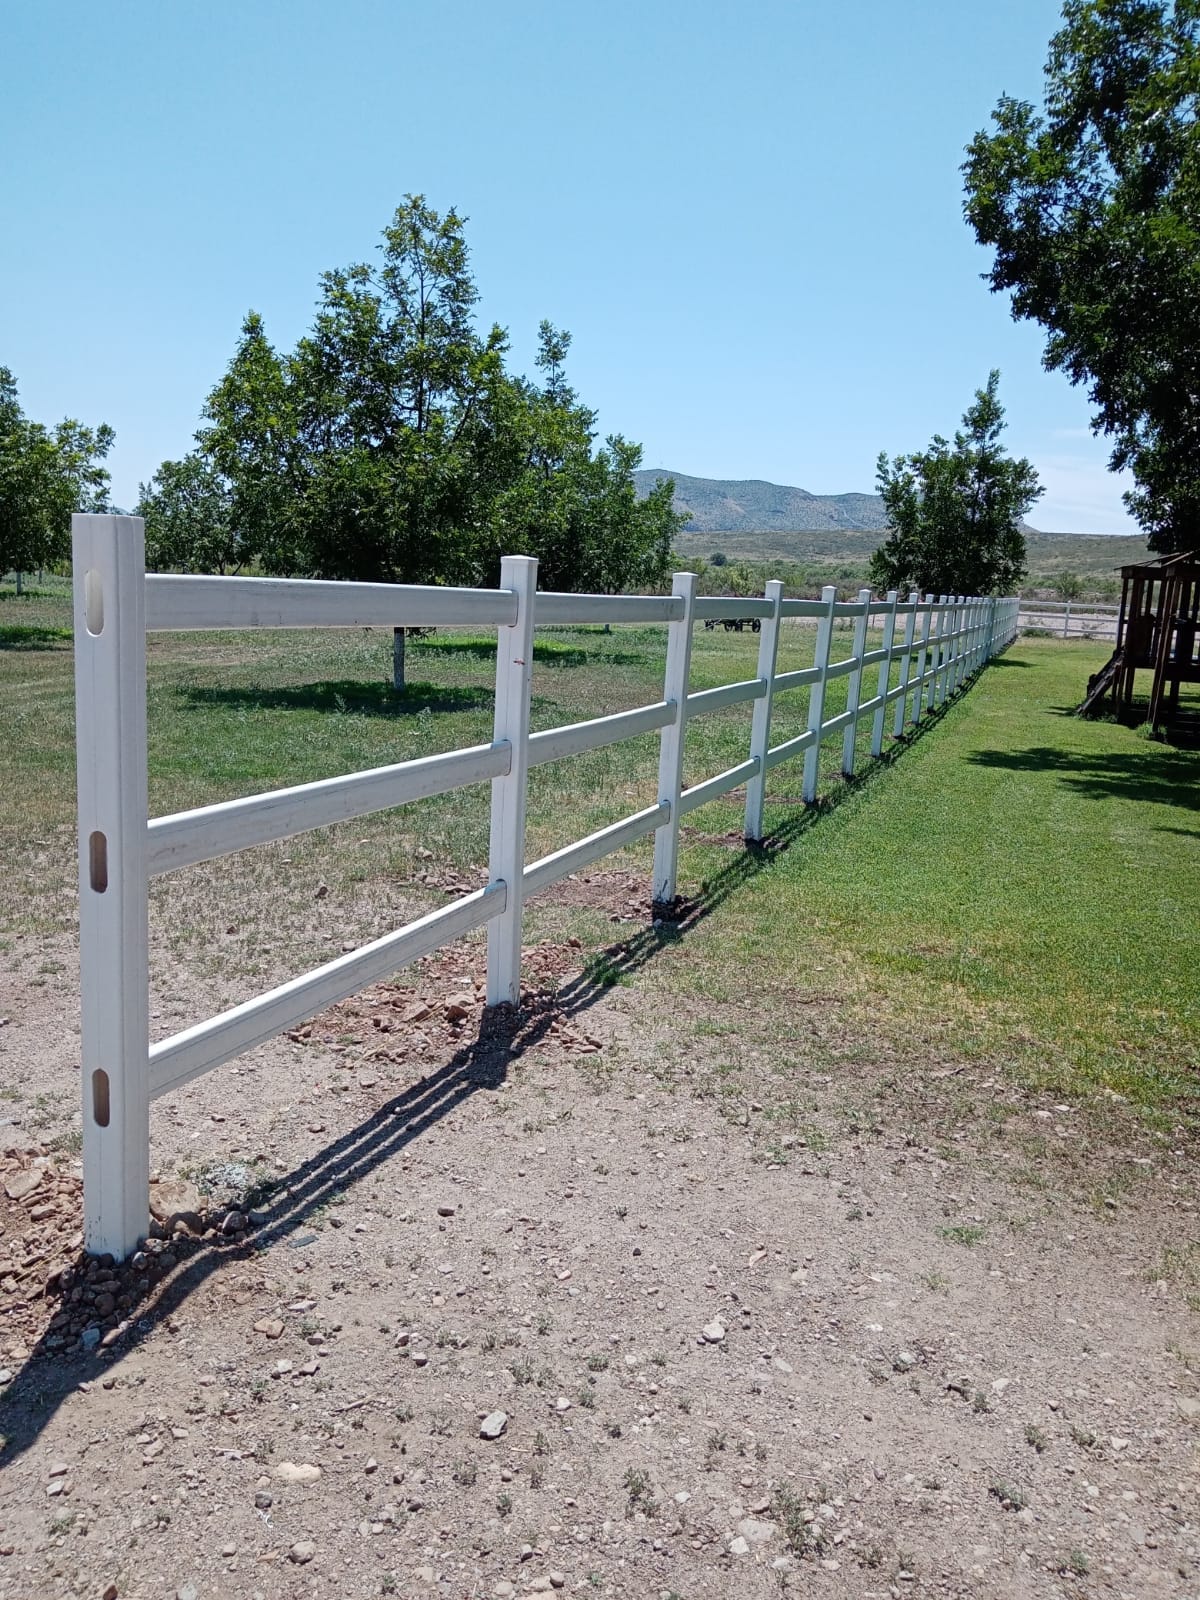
column 935, row 646
column 1069, row 619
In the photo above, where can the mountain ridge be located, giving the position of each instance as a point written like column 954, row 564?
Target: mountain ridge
column 755, row 505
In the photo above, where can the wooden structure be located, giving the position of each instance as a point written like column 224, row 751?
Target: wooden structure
column 1158, row 629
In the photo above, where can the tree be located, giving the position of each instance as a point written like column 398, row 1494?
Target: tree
column 392, row 445
column 189, row 514
column 575, row 508
column 1068, row 585
column 45, row 475
column 955, row 511
column 1093, row 210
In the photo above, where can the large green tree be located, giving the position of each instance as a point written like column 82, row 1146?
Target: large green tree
column 955, row 510
column 45, row 475
column 1092, row 207
column 392, row 445
column 188, row 510
column 574, row 506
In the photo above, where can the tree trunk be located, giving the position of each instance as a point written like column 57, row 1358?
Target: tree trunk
column 397, row 658
column 20, row 589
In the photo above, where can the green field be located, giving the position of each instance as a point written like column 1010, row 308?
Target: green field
column 806, row 560
column 1014, row 884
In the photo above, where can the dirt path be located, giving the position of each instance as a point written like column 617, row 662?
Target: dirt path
column 736, row 1355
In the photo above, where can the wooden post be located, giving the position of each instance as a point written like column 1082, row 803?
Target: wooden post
column 816, row 695
column 760, row 732
column 885, row 674
column 854, row 687
column 910, row 633
column 108, row 554
column 670, row 751
column 506, row 858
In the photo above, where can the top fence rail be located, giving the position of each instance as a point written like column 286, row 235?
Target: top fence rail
column 928, row 649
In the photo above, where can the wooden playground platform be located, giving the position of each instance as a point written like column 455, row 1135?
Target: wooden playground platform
column 1158, row 628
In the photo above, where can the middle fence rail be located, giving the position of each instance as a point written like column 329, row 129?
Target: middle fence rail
column 930, row 649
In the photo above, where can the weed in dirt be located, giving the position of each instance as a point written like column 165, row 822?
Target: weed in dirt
column 1074, row 1564
column 440, row 1424
column 1009, row 1496
column 544, row 1323
column 965, row 1233
column 622, row 1213
column 640, row 1491
column 537, row 1474
column 596, row 1362
column 504, row 1504
column 465, row 1473
column 1083, row 1437
column 586, row 1398
column 523, row 1371
column 684, row 1403
column 404, row 1412
column 981, row 1405
column 541, row 1445
column 1036, row 1437
column 796, row 1525
column 937, row 1282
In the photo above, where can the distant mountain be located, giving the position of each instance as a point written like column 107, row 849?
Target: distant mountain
column 750, row 505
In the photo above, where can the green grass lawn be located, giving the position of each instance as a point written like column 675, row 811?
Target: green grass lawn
column 1020, row 884
column 1015, row 883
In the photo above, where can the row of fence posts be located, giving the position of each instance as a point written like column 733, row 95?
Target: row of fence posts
column 956, row 636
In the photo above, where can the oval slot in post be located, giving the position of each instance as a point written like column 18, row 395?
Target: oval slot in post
column 93, row 603
column 98, row 862
column 100, row 1109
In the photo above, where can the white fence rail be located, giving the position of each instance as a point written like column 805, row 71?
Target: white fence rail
column 929, row 650
column 1069, row 619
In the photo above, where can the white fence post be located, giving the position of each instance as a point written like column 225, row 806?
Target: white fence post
column 923, row 657
column 1067, row 619
column 854, row 687
column 910, row 633
column 959, row 648
column 816, row 695
column 670, row 751
column 108, row 554
column 760, row 732
column 506, row 855
column 937, row 653
column 885, row 673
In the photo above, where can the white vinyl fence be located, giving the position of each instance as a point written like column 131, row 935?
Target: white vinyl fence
column 1069, row 619
column 929, row 650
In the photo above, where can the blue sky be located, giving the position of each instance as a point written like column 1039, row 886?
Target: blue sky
column 749, row 216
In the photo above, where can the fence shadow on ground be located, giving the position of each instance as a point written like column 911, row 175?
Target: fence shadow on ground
column 1161, row 777
column 351, row 696
column 48, row 1377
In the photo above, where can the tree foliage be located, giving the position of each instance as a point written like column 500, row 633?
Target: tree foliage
column 45, row 475
column 1093, row 209
column 393, row 445
column 954, row 510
